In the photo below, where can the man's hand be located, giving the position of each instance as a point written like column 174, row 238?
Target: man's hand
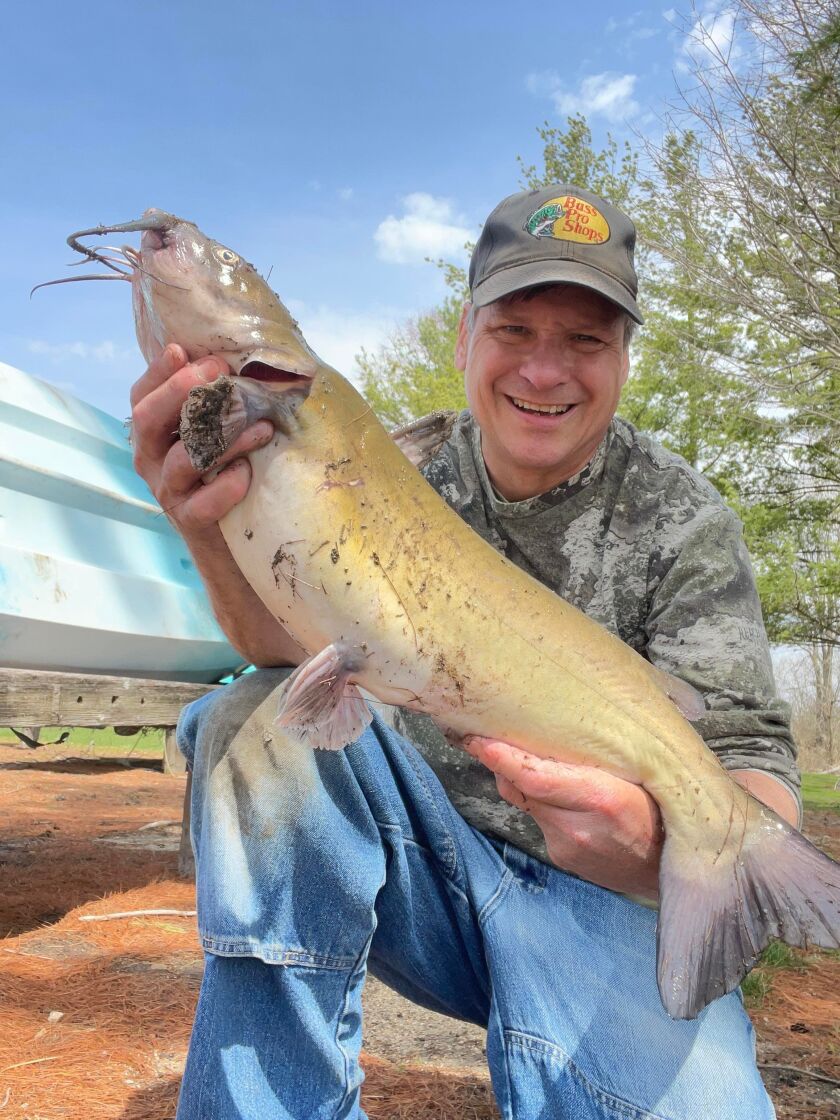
column 599, row 827
column 195, row 508
column 159, row 455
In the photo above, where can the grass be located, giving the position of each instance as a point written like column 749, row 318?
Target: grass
column 819, row 792
column 99, row 742
column 776, row 956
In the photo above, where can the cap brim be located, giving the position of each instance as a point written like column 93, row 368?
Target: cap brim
column 518, row 277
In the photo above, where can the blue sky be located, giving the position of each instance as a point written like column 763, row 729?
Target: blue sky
column 337, row 143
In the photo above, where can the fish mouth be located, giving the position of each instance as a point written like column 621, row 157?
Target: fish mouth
column 273, row 375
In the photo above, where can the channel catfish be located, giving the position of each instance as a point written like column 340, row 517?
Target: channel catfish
column 387, row 589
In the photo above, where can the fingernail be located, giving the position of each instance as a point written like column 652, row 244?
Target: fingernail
column 262, row 430
column 208, row 369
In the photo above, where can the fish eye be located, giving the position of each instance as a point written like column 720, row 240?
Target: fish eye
column 225, row 256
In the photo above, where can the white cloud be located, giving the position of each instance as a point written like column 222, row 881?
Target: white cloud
column 428, row 228
column 608, row 94
column 710, row 38
column 630, row 27
column 338, row 336
column 345, row 194
column 105, row 351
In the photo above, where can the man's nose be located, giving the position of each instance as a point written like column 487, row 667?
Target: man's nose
column 547, row 365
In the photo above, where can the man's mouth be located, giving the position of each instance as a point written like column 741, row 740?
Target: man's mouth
column 542, row 409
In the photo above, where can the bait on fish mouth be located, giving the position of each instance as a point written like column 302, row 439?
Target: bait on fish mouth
column 387, row 589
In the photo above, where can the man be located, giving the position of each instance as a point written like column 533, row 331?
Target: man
column 444, row 874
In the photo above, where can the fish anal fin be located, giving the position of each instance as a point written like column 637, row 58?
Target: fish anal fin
column 686, row 697
column 420, row 440
column 718, row 912
column 320, row 706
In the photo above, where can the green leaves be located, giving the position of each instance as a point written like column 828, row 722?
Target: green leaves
column 737, row 367
column 414, row 372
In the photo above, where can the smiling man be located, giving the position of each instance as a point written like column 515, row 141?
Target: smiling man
column 543, row 371
column 470, row 877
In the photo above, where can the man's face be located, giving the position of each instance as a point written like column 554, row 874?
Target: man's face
column 563, row 349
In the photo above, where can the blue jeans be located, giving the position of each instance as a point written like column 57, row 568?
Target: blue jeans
column 315, row 867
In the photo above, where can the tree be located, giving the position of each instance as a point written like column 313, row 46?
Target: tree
column 686, row 387
column 414, row 372
column 763, row 107
column 568, row 157
column 811, row 682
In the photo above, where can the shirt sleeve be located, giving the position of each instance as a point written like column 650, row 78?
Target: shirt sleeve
column 705, row 626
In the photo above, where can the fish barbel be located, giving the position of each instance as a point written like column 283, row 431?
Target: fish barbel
column 387, row 589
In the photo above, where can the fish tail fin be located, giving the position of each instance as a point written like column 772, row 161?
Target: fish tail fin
column 717, row 916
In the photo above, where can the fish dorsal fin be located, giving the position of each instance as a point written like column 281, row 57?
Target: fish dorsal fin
column 420, row 440
column 689, row 701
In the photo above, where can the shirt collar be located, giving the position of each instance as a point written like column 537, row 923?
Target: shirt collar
column 590, row 473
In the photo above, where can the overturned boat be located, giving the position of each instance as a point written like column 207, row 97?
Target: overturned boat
column 93, row 578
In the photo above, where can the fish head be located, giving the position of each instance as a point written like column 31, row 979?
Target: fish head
column 192, row 290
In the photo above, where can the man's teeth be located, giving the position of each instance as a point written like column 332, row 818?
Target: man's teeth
column 550, row 409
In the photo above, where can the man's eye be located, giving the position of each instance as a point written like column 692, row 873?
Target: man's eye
column 513, row 328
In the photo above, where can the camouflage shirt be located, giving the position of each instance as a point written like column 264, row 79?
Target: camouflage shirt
column 643, row 544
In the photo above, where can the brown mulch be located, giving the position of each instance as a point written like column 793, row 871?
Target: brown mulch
column 95, row 1016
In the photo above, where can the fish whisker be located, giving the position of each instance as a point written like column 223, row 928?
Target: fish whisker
column 76, row 279
column 109, row 262
column 127, row 252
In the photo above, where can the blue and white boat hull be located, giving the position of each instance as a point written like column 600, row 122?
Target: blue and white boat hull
column 93, row 578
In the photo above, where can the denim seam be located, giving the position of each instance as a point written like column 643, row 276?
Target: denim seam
column 539, row 873
column 409, row 841
column 450, row 847
column 360, row 963
column 275, row 954
column 495, row 899
column 552, row 1050
column 505, row 1106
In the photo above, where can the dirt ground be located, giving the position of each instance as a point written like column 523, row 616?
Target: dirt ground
column 95, row 1015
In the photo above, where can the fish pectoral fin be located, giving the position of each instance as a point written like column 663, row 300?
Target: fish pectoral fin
column 420, row 440
column 213, row 416
column 319, row 705
column 686, row 697
column 719, row 910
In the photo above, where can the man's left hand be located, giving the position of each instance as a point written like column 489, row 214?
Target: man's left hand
column 599, row 827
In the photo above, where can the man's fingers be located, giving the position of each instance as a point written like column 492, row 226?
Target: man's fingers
column 180, row 476
column 160, row 370
column 206, row 504
column 157, row 412
column 193, row 504
column 512, row 793
column 582, row 788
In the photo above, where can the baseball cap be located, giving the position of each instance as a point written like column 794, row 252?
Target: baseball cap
column 558, row 234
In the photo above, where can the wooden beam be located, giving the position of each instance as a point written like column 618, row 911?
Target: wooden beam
column 37, row 698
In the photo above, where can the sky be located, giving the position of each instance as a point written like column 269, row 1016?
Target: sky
column 338, row 144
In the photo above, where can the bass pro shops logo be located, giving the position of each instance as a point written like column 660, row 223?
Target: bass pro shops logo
column 569, row 219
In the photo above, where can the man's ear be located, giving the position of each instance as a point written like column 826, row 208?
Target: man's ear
column 462, row 344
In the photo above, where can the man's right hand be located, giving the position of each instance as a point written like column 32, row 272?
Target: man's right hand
column 159, row 456
column 195, row 507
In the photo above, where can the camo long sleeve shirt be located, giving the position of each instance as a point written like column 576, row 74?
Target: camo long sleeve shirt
column 644, row 545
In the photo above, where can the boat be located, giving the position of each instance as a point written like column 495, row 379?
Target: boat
column 93, row 577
